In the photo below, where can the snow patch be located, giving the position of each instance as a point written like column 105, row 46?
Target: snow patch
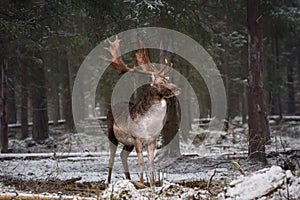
column 124, row 189
column 270, row 183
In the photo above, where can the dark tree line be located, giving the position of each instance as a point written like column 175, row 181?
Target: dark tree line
column 44, row 43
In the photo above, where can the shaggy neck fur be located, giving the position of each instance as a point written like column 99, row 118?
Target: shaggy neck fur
column 150, row 97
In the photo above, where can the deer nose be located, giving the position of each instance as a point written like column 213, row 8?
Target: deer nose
column 176, row 91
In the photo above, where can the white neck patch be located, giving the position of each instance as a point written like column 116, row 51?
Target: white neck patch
column 163, row 103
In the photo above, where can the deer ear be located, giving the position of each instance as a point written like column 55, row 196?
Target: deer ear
column 153, row 79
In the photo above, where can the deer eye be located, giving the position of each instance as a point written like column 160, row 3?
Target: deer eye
column 161, row 83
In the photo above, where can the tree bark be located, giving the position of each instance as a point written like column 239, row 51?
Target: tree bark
column 40, row 130
column 4, row 120
column 67, row 96
column 278, row 84
column 169, row 136
column 270, row 73
column 298, row 52
column 56, row 104
column 244, row 104
column 258, row 124
column 11, row 97
column 24, row 99
column 186, row 116
column 291, row 104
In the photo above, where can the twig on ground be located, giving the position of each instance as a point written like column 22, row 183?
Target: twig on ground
column 277, row 151
column 287, row 187
column 210, row 180
column 282, row 143
column 138, row 185
column 88, row 190
column 238, row 167
column 72, row 180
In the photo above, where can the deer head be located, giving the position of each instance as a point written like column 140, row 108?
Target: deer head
column 164, row 87
column 159, row 84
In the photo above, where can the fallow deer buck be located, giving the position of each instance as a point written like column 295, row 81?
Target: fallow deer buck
column 147, row 115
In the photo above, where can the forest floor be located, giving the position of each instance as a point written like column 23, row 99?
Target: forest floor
column 212, row 165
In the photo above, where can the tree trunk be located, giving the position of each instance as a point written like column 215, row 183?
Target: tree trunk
column 244, row 104
column 78, row 103
column 186, row 116
column 39, row 101
column 24, row 100
column 298, row 58
column 56, row 105
column 169, row 136
column 270, row 81
column 67, row 96
column 11, row 97
column 290, row 88
column 4, row 120
column 278, row 74
column 258, row 124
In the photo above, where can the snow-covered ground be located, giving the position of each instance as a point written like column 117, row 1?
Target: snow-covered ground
column 207, row 156
column 272, row 182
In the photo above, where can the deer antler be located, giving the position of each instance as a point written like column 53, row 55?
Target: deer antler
column 116, row 60
column 142, row 58
column 167, row 65
column 166, row 58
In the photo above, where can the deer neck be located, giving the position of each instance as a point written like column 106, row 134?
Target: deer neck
column 149, row 99
column 148, row 118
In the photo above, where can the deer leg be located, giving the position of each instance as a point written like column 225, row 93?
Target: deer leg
column 112, row 149
column 139, row 150
column 151, row 150
column 124, row 156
